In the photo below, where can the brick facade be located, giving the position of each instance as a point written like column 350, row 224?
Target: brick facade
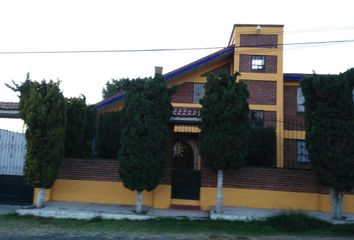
column 259, row 40
column 270, row 119
column 184, row 93
column 293, row 120
column 275, row 179
column 87, row 169
column 269, row 67
column 262, row 92
column 290, row 155
column 99, row 170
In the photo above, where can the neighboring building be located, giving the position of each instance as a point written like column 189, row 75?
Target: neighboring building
column 13, row 189
column 9, row 110
column 275, row 101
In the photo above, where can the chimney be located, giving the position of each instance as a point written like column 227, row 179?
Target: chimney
column 158, row 70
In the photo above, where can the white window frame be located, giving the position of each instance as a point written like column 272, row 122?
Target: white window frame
column 198, row 92
column 258, row 62
column 300, row 100
column 302, row 155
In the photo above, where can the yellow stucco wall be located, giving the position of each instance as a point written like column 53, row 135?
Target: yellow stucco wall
column 115, row 193
column 47, row 195
column 272, row 199
column 105, row 192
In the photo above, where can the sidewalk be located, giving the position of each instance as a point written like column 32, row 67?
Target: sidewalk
column 89, row 211
column 107, row 211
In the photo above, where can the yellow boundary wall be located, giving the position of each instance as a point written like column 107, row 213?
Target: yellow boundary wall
column 115, row 193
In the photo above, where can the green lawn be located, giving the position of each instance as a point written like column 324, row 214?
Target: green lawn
column 286, row 224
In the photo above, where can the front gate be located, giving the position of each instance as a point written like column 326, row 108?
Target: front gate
column 185, row 176
column 186, row 184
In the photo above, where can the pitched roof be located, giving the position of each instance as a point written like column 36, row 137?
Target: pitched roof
column 212, row 58
column 9, row 106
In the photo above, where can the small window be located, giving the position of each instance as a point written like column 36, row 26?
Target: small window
column 300, row 100
column 199, row 92
column 302, row 153
column 258, row 62
column 257, row 118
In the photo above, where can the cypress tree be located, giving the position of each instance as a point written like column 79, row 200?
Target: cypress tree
column 145, row 116
column 75, row 130
column 329, row 116
column 225, row 126
column 43, row 109
column 108, row 134
column 81, row 128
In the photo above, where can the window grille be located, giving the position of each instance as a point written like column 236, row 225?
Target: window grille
column 302, row 153
column 300, row 100
column 258, row 62
column 199, row 92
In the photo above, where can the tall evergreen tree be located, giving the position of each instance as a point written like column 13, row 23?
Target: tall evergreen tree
column 113, row 87
column 108, row 134
column 145, row 116
column 80, row 130
column 225, row 126
column 43, row 109
column 76, row 122
column 329, row 121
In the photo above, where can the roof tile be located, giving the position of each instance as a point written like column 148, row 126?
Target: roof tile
column 9, row 106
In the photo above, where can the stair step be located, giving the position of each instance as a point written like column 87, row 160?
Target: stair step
column 185, row 207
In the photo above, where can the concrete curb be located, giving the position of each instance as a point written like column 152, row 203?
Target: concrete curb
column 80, row 215
column 214, row 216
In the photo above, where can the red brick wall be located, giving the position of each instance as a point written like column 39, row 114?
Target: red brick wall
column 293, row 120
column 246, row 64
column 265, row 179
column 290, row 155
column 99, row 170
column 184, row 93
column 278, row 179
column 262, row 92
column 270, row 119
column 259, row 40
column 87, row 169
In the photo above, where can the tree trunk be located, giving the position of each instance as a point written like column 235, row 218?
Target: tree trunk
column 337, row 203
column 139, row 201
column 40, row 198
column 220, row 197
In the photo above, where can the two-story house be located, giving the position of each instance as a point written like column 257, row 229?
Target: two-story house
column 256, row 51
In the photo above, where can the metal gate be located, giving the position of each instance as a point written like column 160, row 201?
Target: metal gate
column 185, row 173
column 13, row 189
column 186, row 184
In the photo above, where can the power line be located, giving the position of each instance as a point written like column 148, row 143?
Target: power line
column 171, row 49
